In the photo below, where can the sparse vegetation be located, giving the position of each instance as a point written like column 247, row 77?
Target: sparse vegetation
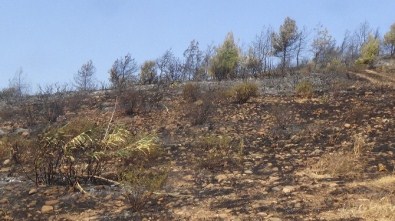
column 191, row 92
column 304, row 88
column 199, row 111
column 341, row 164
column 242, row 92
column 218, row 152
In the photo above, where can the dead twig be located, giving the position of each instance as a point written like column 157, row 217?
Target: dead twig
column 78, row 187
column 112, row 116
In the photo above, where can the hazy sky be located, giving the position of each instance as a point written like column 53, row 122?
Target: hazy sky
column 51, row 39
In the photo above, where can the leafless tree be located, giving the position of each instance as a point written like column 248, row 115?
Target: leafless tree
column 169, row 67
column 19, row 84
column 208, row 54
column 362, row 34
column 389, row 41
column 301, row 44
column 193, row 56
column 262, row 49
column 122, row 72
column 349, row 49
column 323, row 46
column 84, row 79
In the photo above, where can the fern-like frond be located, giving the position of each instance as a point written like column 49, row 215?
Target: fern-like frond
column 80, row 141
column 147, row 144
column 98, row 155
column 119, row 137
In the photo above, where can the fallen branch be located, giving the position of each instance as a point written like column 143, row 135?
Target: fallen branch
column 78, row 187
column 167, row 109
column 111, row 182
column 172, row 194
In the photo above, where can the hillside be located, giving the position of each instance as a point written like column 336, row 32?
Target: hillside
column 288, row 153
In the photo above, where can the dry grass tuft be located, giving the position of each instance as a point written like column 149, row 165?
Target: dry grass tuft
column 242, row 92
column 339, row 164
column 366, row 209
column 359, row 144
column 386, row 183
column 191, row 92
column 305, row 89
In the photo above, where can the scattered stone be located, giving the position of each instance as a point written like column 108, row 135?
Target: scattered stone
column 381, row 167
column 46, row 209
column 347, row 125
column 208, row 186
column 221, row 177
column 288, row 189
column 273, row 178
column 32, row 191
column 21, row 131
column 276, row 189
column 317, row 152
column 4, row 201
column 118, row 203
column 6, row 162
column 248, row 171
column 298, row 205
column 51, row 202
column 262, row 214
column 32, row 204
column 2, row 132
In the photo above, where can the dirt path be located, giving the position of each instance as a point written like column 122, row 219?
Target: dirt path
column 376, row 77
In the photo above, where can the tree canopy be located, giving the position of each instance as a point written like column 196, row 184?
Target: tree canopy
column 284, row 41
column 226, row 59
column 369, row 51
column 389, row 40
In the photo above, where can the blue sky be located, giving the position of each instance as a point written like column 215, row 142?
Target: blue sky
column 51, row 39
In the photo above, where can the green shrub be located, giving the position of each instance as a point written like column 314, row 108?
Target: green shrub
column 242, row 92
column 304, row 88
column 191, row 92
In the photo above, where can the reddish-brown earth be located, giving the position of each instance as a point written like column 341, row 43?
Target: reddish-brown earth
column 279, row 165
